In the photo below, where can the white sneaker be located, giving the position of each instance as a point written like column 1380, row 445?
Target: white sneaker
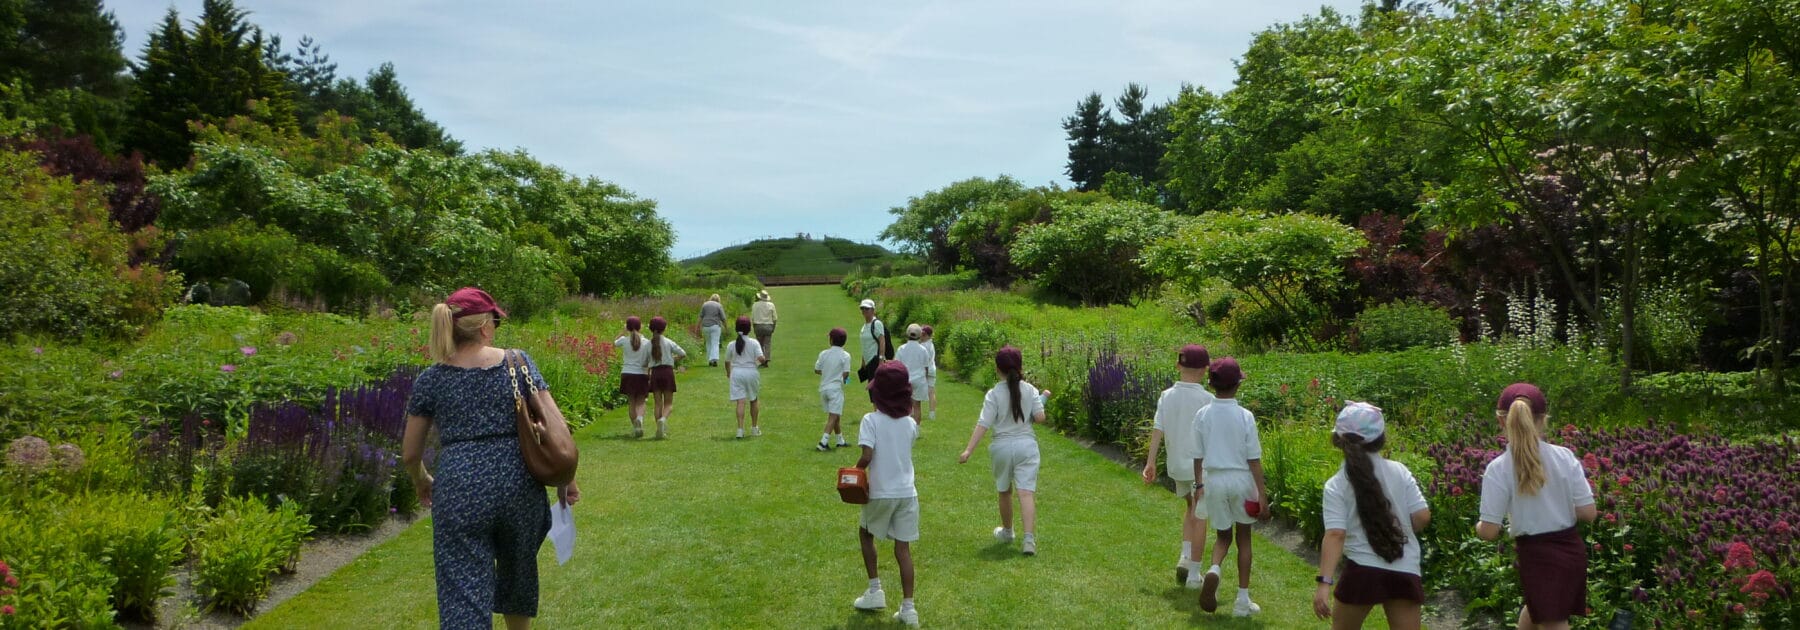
column 1193, row 579
column 637, row 427
column 662, row 428
column 1209, row 591
column 841, row 442
column 872, row 599
column 824, row 447
column 1003, row 534
column 908, row 616
column 1244, row 607
column 756, row 431
column 740, row 434
column 1029, row 545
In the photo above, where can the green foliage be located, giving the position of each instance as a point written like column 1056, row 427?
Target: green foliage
column 1281, row 263
column 1402, row 325
column 138, row 541
column 241, row 548
column 922, row 227
column 70, row 269
column 864, row 286
column 1089, row 252
column 796, row 256
column 59, row 586
column 207, row 74
column 271, row 260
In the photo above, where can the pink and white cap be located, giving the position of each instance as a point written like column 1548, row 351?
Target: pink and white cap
column 1361, row 419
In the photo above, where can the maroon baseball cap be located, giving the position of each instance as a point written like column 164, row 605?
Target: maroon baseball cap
column 1194, row 355
column 1009, row 359
column 1527, row 391
column 633, row 323
column 658, row 324
column 1224, row 373
column 891, row 390
column 838, row 336
column 472, row 301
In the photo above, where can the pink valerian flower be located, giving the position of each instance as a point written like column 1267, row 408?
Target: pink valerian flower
column 1590, row 462
column 1760, row 585
column 1456, row 491
column 12, row 581
column 1781, row 527
column 1624, row 480
column 228, row 368
column 1737, row 610
column 1719, row 496
column 7, row 610
column 1597, row 547
column 1630, row 548
column 1739, row 556
column 248, row 351
column 1611, row 518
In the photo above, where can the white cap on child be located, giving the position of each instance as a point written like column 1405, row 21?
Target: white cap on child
column 1361, row 419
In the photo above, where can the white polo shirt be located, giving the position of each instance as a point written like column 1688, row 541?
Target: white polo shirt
column 832, row 365
column 891, row 468
column 1225, row 436
column 633, row 361
column 917, row 361
column 747, row 359
column 997, row 416
column 1552, row 509
column 671, row 352
column 1403, row 497
column 1175, row 412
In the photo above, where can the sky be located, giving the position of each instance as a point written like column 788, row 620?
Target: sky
column 752, row 119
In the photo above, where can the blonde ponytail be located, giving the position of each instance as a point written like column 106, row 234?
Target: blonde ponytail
column 448, row 332
column 1522, row 437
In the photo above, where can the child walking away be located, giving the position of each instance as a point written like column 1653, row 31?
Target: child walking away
column 833, row 368
column 1009, row 410
column 931, row 381
column 918, row 368
column 634, row 371
column 1175, row 412
column 1373, row 509
column 887, row 436
column 1228, row 454
column 1541, row 490
column 664, row 354
column 742, row 357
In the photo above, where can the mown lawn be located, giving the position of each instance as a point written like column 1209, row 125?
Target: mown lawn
column 703, row 531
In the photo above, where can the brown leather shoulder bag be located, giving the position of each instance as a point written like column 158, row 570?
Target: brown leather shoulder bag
column 544, row 439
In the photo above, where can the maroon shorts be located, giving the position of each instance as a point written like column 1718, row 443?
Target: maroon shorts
column 662, row 379
column 1553, row 574
column 634, row 384
column 1372, row 586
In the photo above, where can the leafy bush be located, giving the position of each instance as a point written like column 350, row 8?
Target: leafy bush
column 138, row 541
column 271, row 260
column 241, row 548
column 1403, row 325
column 70, row 268
column 861, row 286
column 1089, row 252
column 54, row 584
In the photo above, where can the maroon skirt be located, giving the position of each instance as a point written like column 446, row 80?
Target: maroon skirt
column 662, row 379
column 1373, row 586
column 1553, row 574
column 634, row 384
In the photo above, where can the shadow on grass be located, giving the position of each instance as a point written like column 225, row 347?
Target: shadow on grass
column 870, row 619
column 1000, row 552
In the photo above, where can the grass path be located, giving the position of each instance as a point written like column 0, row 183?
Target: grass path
column 704, row 531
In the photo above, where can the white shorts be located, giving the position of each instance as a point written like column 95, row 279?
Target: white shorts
column 1015, row 465
column 1184, row 488
column 893, row 519
column 921, row 390
column 745, row 384
column 1222, row 504
column 832, row 400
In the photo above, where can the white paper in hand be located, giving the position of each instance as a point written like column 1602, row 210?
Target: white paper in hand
column 562, row 531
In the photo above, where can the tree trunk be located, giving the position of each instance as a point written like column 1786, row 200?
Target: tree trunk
column 1628, row 303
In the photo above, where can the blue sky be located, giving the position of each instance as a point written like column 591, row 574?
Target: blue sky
column 747, row 119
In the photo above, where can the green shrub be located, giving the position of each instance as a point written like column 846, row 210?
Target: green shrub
column 1403, row 325
column 1256, row 329
column 241, row 548
column 1089, row 252
column 271, row 260
column 969, row 347
column 58, row 585
column 136, row 537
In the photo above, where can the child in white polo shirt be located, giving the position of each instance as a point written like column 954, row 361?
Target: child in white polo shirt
column 1372, row 511
column 925, row 340
column 1009, row 410
column 887, row 436
column 917, row 360
column 1228, row 453
column 1175, row 412
column 833, row 368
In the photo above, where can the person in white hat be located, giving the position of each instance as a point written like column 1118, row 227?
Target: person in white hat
column 762, row 320
column 917, row 360
column 872, row 338
column 1373, row 508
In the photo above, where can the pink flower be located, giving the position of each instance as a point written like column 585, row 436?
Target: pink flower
column 37, row 350
column 1624, row 480
column 12, row 582
column 1630, row 548
column 1739, row 556
column 1456, row 491
column 1315, row 385
column 228, row 368
column 1596, row 547
column 1590, row 462
column 1612, row 518
column 1737, row 610
column 1762, row 582
column 205, row 422
column 1719, row 496
column 248, row 351
column 6, row 610
column 115, row 374
column 1284, row 388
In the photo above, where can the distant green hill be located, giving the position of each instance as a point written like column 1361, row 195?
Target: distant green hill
column 794, row 257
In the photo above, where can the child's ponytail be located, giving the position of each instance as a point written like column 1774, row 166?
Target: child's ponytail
column 1522, row 437
column 1372, row 507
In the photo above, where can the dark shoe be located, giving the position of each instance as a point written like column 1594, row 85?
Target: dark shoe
column 1181, row 573
column 824, row 447
column 712, row 364
column 1209, row 592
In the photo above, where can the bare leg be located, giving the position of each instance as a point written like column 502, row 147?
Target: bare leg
column 868, row 551
column 1350, row 617
column 1221, row 546
column 755, row 410
column 1526, row 622
column 517, row 622
column 1028, row 505
column 1006, row 509
column 903, row 555
column 637, row 408
column 1401, row 615
column 740, row 414
column 831, row 424
column 1243, row 543
column 917, row 410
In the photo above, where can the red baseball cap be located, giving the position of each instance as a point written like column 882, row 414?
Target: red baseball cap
column 891, row 390
column 1527, row 391
column 1194, row 356
column 472, row 301
column 1224, row 373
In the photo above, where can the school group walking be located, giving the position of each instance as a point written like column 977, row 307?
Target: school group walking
column 491, row 517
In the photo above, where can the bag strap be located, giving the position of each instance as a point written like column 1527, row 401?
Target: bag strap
column 516, row 368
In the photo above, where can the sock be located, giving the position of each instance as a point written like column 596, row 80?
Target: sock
column 1244, row 594
column 874, row 584
column 906, row 604
column 1214, row 569
column 1187, row 551
column 825, row 438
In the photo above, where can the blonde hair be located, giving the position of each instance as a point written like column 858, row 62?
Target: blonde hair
column 1523, row 432
column 714, row 298
column 448, row 332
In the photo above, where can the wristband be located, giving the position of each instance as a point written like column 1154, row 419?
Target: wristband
column 1324, row 580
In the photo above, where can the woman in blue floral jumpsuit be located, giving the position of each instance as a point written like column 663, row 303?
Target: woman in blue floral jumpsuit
column 489, row 517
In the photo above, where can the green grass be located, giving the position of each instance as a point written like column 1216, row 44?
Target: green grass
column 701, row 530
column 793, row 257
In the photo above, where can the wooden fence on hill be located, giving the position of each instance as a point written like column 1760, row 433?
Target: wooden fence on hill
column 791, row 281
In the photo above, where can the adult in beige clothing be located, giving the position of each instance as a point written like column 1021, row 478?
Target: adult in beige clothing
column 762, row 320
